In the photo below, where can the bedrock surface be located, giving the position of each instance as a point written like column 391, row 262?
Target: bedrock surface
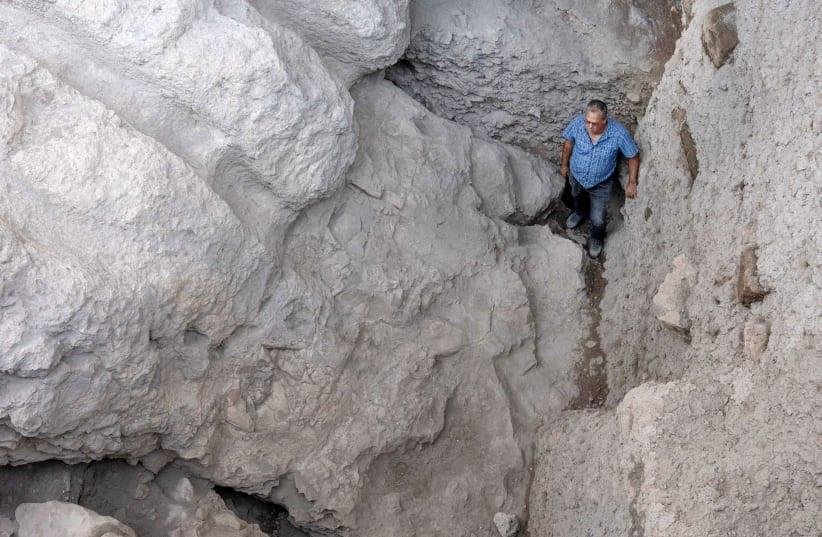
column 302, row 293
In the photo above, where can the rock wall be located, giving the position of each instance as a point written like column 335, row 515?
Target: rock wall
column 711, row 317
column 214, row 253
column 519, row 70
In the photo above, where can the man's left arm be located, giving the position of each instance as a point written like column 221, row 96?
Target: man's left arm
column 631, row 151
column 633, row 174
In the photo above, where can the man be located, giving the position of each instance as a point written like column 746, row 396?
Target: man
column 592, row 143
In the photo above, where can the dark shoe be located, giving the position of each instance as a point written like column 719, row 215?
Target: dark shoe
column 595, row 247
column 573, row 221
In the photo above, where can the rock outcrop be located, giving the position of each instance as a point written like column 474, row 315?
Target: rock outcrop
column 715, row 434
column 218, row 255
column 354, row 38
column 518, row 71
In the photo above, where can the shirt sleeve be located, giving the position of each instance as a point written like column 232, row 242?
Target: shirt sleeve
column 627, row 145
column 570, row 132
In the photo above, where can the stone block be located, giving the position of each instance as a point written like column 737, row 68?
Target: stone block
column 748, row 287
column 669, row 303
column 719, row 37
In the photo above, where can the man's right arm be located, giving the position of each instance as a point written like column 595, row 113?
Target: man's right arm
column 567, row 147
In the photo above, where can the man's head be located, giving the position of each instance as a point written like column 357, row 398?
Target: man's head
column 596, row 117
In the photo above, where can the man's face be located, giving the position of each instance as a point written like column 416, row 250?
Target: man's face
column 595, row 123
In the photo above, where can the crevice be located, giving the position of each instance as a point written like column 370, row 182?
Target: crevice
column 591, row 370
column 271, row 517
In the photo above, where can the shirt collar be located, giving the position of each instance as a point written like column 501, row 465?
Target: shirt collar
column 607, row 131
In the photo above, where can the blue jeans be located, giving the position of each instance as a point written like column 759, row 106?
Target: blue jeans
column 599, row 195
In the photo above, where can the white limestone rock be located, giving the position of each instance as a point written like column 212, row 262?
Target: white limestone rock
column 395, row 306
column 518, row 71
column 507, row 524
column 354, row 38
column 244, row 102
column 670, row 302
column 60, row 519
column 382, row 354
column 513, row 185
column 755, row 337
column 138, row 265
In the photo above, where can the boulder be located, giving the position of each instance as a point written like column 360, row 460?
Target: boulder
column 148, row 313
column 670, row 300
column 507, row 524
column 353, row 38
column 53, row 519
column 183, row 74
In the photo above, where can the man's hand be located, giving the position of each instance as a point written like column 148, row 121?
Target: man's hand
column 563, row 171
column 630, row 190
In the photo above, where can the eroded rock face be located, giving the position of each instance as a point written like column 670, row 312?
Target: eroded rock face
column 662, row 462
column 518, row 71
column 355, row 38
column 188, row 277
column 247, row 104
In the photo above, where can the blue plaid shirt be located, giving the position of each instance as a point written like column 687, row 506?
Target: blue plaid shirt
column 593, row 163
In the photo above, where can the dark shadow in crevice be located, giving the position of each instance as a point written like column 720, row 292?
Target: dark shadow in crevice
column 272, row 518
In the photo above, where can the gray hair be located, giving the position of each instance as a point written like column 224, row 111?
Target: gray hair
column 596, row 105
